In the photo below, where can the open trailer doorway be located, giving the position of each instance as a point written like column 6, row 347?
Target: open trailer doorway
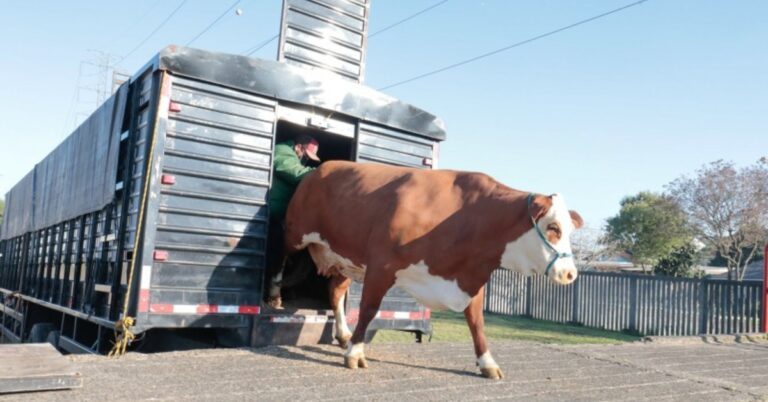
column 301, row 287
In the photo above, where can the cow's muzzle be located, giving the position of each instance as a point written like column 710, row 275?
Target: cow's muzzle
column 565, row 276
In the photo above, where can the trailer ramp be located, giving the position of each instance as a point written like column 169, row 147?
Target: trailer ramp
column 33, row 367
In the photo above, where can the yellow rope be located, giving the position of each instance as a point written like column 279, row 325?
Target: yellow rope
column 123, row 334
column 123, row 338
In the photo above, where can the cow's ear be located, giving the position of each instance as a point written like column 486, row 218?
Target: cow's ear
column 576, row 218
column 540, row 206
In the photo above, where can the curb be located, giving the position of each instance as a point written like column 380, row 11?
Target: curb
column 753, row 338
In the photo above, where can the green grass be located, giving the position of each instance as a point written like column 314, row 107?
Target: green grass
column 451, row 327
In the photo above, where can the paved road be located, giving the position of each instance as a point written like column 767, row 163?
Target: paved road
column 439, row 371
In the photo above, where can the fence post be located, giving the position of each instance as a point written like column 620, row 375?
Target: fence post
column 575, row 301
column 703, row 306
column 634, row 302
column 487, row 294
column 529, row 296
column 764, row 304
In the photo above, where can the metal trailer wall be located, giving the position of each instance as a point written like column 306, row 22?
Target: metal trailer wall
column 207, row 222
column 76, row 177
column 325, row 34
column 204, row 124
column 388, row 131
column 70, row 274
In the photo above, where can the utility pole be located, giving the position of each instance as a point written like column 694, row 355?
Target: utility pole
column 95, row 82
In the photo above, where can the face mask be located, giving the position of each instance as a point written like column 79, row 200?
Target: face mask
column 304, row 159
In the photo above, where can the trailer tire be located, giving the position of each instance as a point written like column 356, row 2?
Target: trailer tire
column 39, row 332
column 53, row 338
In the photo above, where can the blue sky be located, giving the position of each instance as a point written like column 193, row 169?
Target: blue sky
column 620, row 105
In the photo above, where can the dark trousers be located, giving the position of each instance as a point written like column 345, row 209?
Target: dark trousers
column 275, row 255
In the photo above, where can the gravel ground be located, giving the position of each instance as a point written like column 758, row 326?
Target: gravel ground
column 439, row 371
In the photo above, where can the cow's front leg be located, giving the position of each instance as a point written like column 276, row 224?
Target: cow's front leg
column 474, row 315
column 337, row 288
column 375, row 286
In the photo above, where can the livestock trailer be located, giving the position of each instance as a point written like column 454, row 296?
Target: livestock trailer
column 155, row 207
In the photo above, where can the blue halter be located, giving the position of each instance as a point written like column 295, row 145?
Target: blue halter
column 549, row 245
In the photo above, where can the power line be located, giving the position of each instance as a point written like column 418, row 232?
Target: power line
column 136, row 22
column 214, row 22
column 410, row 17
column 154, row 31
column 491, row 53
column 260, row 45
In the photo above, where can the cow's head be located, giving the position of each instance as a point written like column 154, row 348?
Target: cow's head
column 545, row 247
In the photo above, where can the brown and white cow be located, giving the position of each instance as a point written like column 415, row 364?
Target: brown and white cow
column 436, row 234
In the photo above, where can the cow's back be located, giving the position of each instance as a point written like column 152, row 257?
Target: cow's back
column 343, row 202
column 360, row 208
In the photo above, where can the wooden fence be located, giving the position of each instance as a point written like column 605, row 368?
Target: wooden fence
column 649, row 305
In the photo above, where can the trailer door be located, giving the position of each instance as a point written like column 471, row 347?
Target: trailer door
column 206, row 232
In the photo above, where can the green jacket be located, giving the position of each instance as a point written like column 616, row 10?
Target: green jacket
column 288, row 172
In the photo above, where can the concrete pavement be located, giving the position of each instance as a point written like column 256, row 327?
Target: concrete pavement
column 438, row 371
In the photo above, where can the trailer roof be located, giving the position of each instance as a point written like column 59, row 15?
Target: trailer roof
column 300, row 85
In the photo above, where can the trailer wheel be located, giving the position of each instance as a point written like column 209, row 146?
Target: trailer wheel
column 39, row 332
column 53, row 338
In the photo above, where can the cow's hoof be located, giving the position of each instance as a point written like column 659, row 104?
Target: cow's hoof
column 275, row 303
column 494, row 373
column 353, row 362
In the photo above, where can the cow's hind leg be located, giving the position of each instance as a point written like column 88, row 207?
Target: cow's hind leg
column 474, row 316
column 276, row 270
column 375, row 287
column 337, row 289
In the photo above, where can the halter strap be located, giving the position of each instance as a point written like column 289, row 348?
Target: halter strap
column 556, row 254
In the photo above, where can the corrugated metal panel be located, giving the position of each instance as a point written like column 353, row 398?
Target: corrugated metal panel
column 392, row 147
column 212, row 218
column 325, row 34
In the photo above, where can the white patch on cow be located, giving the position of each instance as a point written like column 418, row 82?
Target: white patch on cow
column 326, row 259
column 486, row 361
column 342, row 330
column 528, row 254
column 356, row 350
column 430, row 290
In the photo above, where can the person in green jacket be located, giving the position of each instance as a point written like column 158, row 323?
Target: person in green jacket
column 290, row 167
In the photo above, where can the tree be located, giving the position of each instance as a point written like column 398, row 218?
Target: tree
column 728, row 209
column 678, row 263
column 2, row 211
column 649, row 226
column 587, row 247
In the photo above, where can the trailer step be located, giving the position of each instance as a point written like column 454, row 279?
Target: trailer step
column 289, row 329
column 35, row 367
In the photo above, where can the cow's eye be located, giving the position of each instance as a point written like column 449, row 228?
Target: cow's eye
column 555, row 229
